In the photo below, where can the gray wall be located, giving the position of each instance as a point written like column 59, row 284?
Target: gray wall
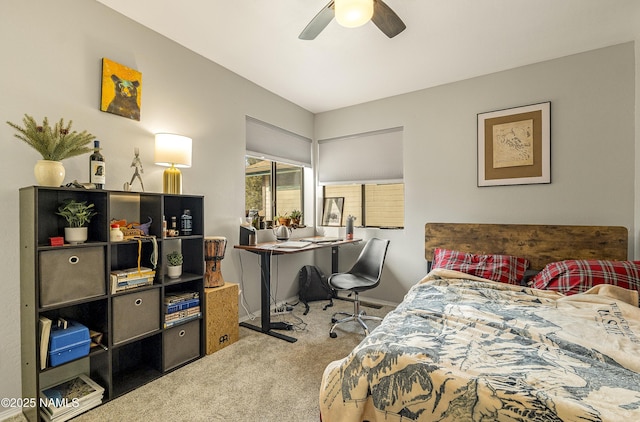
column 592, row 151
column 52, row 65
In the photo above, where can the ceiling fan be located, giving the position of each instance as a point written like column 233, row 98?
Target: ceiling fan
column 383, row 17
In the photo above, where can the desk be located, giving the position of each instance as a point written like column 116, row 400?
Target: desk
column 266, row 251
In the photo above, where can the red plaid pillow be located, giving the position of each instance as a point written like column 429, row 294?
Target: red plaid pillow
column 578, row 276
column 502, row 268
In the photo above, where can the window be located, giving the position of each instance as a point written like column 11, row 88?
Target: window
column 260, row 176
column 367, row 171
column 379, row 205
column 274, row 169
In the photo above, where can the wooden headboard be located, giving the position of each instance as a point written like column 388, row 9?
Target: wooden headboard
column 540, row 244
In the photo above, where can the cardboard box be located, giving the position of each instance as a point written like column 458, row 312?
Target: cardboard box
column 68, row 344
column 221, row 316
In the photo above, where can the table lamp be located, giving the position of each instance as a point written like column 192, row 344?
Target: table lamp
column 172, row 151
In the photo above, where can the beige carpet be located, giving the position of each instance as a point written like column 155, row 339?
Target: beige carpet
column 258, row 378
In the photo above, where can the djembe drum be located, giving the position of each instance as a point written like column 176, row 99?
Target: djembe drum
column 214, row 248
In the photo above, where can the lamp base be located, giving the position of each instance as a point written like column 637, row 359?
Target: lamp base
column 172, row 180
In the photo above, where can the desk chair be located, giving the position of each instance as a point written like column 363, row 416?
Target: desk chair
column 364, row 275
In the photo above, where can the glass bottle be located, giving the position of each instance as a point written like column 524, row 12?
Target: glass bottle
column 96, row 167
column 350, row 220
column 174, row 226
column 186, row 223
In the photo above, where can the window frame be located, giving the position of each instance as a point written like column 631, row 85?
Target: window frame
column 273, row 180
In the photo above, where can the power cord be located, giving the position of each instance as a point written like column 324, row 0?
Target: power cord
column 291, row 321
column 243, row 299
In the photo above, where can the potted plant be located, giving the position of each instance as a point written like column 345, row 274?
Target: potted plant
column 284, row 219
column 78, row 215
column 174, row 264
column 296, row 217
column 54, row 144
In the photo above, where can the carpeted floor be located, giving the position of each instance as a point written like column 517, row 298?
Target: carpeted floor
column 258, row 378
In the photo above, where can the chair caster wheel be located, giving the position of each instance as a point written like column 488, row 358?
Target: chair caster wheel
column 333, row 335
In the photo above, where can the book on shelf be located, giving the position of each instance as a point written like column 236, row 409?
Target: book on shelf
column 181, row 314
column 45, row 332
column 73, row 396
column 134, row 272
column 129, row 283
column 170, row 298
column 182, row 305
column 46, row 416
column 196, row 315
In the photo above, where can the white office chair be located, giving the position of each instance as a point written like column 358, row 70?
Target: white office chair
column 364, row 275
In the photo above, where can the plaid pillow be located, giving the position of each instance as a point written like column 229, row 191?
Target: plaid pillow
column 578, row 276
column 502, row 268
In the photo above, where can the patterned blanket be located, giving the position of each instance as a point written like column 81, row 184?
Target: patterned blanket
column 466, row 349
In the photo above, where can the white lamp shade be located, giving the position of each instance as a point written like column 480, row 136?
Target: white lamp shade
column 353, row 13
column 172, row 150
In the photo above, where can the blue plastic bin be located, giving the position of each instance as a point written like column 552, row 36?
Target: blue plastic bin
column 68, row 344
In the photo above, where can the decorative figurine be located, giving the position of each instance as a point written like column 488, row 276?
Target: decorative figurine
column 137, row 164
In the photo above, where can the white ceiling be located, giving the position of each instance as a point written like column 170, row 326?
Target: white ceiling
column 445, row 41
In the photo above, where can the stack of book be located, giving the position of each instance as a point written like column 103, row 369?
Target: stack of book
column 70, row 398
column 131, row 278
column 181, row 307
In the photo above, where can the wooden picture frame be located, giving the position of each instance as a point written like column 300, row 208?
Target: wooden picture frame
column 121, row 90
column 332, row 211
column 514, row 146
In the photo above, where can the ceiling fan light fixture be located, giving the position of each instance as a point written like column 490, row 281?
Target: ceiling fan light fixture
column 353, row 13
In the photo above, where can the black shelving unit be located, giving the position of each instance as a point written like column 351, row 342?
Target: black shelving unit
column 133, row 353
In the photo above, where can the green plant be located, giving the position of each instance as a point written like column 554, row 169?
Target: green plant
column 77, row 214
column 55, row 143
column 296, row 214
column 174, row 259
column 283, row 219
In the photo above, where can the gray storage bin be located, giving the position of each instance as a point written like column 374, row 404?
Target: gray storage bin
column 135, row 314
column 181, row 344
column 69, row 274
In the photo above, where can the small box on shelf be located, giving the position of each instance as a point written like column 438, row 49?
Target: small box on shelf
column 56, row 241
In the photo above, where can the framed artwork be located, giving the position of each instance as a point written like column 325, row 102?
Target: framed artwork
column 332, row 214
column 121, row 90
column 514, row 146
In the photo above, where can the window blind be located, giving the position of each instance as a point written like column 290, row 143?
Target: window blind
column 371, row 157
column 276, row 144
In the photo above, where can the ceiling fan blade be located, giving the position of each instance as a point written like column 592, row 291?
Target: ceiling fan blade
column 318, row 23
column 386, row 19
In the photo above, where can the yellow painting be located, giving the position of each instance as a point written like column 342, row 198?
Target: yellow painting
column 121, row 90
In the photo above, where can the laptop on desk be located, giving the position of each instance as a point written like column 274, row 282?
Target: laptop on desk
column 321, row 239
column 291, row 244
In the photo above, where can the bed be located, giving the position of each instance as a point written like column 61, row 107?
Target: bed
column 472, row 343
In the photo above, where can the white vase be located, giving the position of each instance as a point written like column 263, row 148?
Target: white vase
column 75, row 235
column 174, row 271
column 49, row 173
